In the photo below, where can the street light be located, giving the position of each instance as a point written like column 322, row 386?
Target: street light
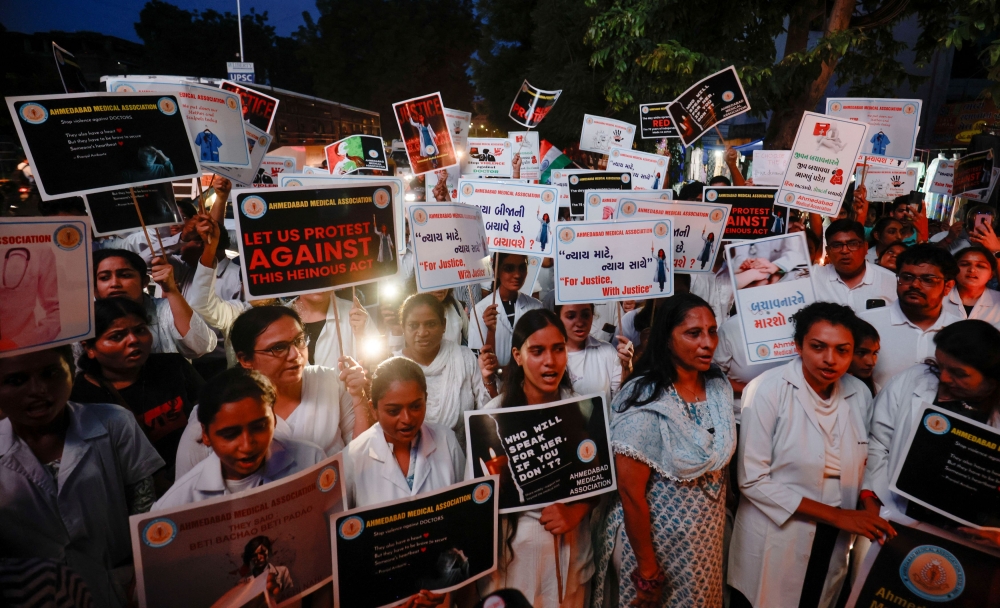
column 239, row 25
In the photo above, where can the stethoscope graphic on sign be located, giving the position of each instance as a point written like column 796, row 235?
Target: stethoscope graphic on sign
column 15, row 266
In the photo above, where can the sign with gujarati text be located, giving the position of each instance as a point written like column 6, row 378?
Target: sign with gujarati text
column 707, row 103
column 649, row 171
column 952, row 468
column 258, row 109
column 769, row 166
column 308, row 240
column 219, row 547
column 92, row 142
column 578, row 181
column 424, row 128
column 449, row 246
column 526, row 146
column 531, row 105
column 941, row 179
column 771, row 281
column 507, row 214
column 753, row 214
column 820, row 167
column 543, row 454
column 602, row 205
column 489, row 157
column 655, row 121
column 886, row 183
column 438, row 541
column 893, row 123
column 46, row 291
column 600, row 134
column 598, row 261
column 697, row 229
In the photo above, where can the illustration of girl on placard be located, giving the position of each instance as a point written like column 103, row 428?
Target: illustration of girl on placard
column 543, row 231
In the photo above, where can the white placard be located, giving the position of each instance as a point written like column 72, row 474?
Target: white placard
column 769, row 166
column 893, row 123
column 698, row 229
column 771, row 282
column 525, row 144
column 488, row 157
column 822, row 160
column 458, row 124
column 941, row 180
column 600, row 134
column 272, row 168
column 441, row 185
column 449, row 246
column 257, row 142
column 886, row 183
column 597, row 261
column 648, row 171
column 560, row 179
column 518, row 217
column 602, row 205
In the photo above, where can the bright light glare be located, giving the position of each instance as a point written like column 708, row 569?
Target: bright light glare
column 372, row 347
column 411, row 197
column 389, row 290
column 718, row 154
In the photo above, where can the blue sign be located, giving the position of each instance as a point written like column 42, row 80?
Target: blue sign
column 240, row 71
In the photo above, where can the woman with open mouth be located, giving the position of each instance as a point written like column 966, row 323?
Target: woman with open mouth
column 800, row 465
column 970, row 298
column 535, row 375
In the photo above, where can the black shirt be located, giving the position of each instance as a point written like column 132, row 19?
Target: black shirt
column 313, row 330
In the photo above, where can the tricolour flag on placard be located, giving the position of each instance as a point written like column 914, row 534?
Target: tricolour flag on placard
column 552, row 158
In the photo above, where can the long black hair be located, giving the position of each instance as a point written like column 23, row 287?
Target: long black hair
column 106, row 312
column 513, row 374
column 976, row 344
column 255, row 321
column 655, row 367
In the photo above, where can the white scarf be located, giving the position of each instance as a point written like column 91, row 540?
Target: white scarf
column 449, row 390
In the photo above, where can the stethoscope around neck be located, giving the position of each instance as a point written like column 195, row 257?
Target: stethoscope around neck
column 9, row 274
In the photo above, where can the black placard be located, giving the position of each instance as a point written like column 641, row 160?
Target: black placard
column 952, row 466
column 94, row 142
column 70, row 74
column 655, row 121
column 114, row 212
column 753, row 215
column 438, row 541
column 531, row 105
column 972, row 172
column 579, row 183
column 556, row 452
column 707, row 103
column 258, row 109
column 305, row 240
column 918, row 568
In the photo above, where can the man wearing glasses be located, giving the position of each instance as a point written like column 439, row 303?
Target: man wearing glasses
column 847, row 278
column 925, row 275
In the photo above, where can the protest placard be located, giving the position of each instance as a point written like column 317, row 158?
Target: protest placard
column 602, row 205
column 697, row 229
column 526, row 145
column 893, row 123
column 578, row 181
column 752, row 215
column 655, row 121
column 459, row 123
column 972, row 173
column 214, row 117
column 258, row 109
column 531, row 105
column 218, row 547
column 441, row 185
column 488, row 157
column 771, row 281
column 984, row 195
column 91, row 142
column 244, row 177
column 560, row 179
column 950, row 467
column 708, row 102
column 506, row 208
column 438, row 541
column 769, row 166
column 46, row 291
column 600, row 134
column 534, row 265
column 822, row 160
column 924, row 566
column 598, row 261
column 324, row 180
column 70, row 74
column 272, row 168
column 942, row 174
column 356, row 152
column 113, row 212
column 648, row 171
column 449, row 246
column 553, row 452
column 886, row 183
column 424, row 128
column 307, row 240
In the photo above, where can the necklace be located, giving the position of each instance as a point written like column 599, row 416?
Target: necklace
column 689, row 408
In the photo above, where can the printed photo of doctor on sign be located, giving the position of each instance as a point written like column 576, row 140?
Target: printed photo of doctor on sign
column 424, row 128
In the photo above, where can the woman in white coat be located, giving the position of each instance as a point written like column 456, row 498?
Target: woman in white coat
column 970, row 298
column 454, row 382
column 594, row 366
column 316, row 404
column 536, row 375
column 964, row 377
column 237, row 422
column 501, row 313
column 799, row 464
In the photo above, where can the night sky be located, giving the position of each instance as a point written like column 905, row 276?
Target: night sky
column 116, row 17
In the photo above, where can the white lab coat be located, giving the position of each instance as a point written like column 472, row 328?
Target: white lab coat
column 324, row 417
column 595, row 369
column 505, row 331
column 373, row 475
column 780, row 461
column 987, row 308
column 286, row 457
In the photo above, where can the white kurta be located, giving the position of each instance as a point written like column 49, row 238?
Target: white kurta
column 198, row 340
column 505, row 331
column 903, row 343
column 987, row 308
column 373, row 475
column 595, row 369
column 324, row 417
column 780, row 461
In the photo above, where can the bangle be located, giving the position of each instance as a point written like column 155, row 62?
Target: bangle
column 648, row 584
column 869, row 494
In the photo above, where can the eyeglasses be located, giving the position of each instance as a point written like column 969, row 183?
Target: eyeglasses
column 849, row 246
column 280, row 350
column 514, row 267
column 927, row 280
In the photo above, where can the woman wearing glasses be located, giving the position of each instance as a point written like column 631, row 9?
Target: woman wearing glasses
column 970, row 298
column 311, row 403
